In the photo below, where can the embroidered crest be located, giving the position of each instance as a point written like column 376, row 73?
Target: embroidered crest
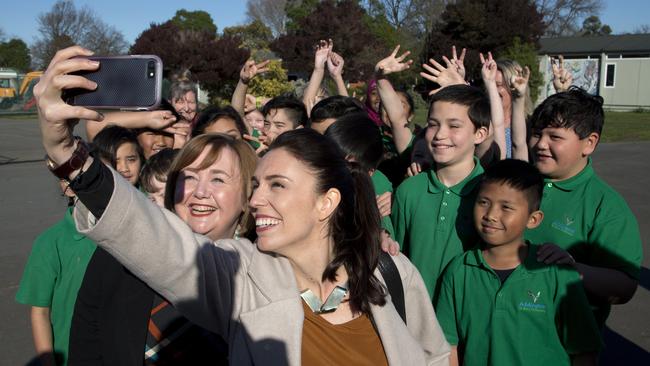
column 534, row 296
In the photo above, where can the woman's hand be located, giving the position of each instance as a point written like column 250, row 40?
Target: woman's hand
column 335, row 64
column 393, row 63
column 322, row 53
column 519, row 82
column 57, row 118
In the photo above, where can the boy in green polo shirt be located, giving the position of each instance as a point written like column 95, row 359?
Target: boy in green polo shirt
column 50, row 282
column 497, row 304
column 432, row 211
column 590, row 225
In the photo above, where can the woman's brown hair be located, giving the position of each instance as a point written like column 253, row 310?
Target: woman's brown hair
column 217, row 143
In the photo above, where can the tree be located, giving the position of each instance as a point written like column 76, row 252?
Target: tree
column 270, row 12
column 15, row 54
column 343, row 22
column 65, row 25
column 214, row 62
column 562, row 16
column 255, row 36
column 414, row 16
column 642, row 29
column 198, row 20
column 593, row 27
column 483, row 26
column 272, row 83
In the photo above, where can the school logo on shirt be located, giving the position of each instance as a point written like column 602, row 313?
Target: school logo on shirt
column 565, row 225
column 533, row 305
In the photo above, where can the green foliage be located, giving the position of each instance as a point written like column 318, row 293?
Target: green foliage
column 254, row 36
column 526, row 55
column 272, row 83
column 592, row 26
column 15, row 54
column 298, row 10
column 198, row 20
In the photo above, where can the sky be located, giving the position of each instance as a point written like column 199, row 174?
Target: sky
column 134, row 16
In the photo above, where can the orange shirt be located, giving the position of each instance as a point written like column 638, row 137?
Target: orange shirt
column 353, row 343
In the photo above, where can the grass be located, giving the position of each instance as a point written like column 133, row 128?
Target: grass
column 619, row 126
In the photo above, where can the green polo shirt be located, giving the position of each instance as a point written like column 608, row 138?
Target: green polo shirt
column 53, row 276
column 588, row 218
column 433, row 223
column 538, row 316
column 383, row 185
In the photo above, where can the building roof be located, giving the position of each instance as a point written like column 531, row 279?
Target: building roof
column 623, row 44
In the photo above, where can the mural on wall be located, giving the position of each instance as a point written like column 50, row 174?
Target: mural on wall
column 585, row 75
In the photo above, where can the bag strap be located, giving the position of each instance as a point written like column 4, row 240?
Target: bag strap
column 391, row 276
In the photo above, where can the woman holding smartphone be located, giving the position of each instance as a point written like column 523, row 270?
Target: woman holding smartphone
column 307, row 292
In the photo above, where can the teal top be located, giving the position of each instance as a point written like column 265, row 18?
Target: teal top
column 53, row 275
column 538, row 316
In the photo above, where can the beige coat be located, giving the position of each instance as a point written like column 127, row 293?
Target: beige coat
column 249, row 297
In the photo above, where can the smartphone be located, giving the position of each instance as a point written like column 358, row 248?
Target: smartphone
column 132, row 83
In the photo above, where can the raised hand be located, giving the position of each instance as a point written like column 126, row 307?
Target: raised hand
column 458, row 61
column 562, row 77
column 442, row 75
column 252, row 69
column 335, row 64
column 520, row 82
column 55, row 116
column 323, row 49
column 488, row 68
column 393, row 63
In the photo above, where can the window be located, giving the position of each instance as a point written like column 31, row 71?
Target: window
column 4, row 83
column 610, row 75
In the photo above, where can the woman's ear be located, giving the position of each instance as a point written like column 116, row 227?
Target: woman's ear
column 328, row 203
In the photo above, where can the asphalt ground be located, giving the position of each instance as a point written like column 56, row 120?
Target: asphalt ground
column 30, row 202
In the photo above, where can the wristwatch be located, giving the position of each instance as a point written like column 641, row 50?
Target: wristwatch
column 76, row 161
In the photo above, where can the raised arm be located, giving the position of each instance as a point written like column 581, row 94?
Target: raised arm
column 156, row 120
column 390, row 100
column 518, row 125
column 451, row 74
column 323, row 49
column 335, row 67
column 247, row 73
column 489, row 74
column 154, row 244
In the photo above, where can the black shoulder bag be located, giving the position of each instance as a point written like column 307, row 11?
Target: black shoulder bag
column 391, row 276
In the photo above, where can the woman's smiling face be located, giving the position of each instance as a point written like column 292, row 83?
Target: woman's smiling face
column 210, row 200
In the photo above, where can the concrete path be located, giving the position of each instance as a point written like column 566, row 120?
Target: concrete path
column 30, row 201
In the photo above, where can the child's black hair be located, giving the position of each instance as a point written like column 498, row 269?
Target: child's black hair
column 470, row 96
column 573, row 109
column 157, row 167
column 210, row 115
column 359, row 138
column 335, row 107
column 518, row 175
column 109, row 140
column 294, row 108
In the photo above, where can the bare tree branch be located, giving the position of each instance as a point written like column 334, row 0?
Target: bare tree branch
column 271, row 13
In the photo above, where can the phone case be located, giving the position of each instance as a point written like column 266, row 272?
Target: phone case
column 123, row 82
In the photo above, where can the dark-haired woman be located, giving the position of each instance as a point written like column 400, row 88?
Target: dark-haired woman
column 308, row 292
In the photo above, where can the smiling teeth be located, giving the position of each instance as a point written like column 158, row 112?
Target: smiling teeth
column 266, row 222
column 203, row 208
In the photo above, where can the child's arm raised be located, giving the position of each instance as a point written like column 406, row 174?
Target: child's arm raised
column 156, row 120
column 247, row 73
column 518, row 125
column 444, row 75
column 323, row 49
column 390, row 100
column 489, row 74
column 562, row 78
column 42, row 334
column 335, row 67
